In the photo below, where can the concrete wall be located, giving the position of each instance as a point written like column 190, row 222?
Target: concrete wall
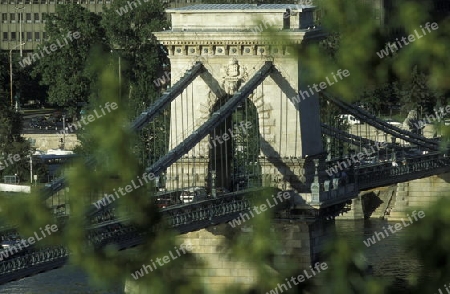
column 413, row 195
column 45, row 142
column 418, row 194
column 15, row 188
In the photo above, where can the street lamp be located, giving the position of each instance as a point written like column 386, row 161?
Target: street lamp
column 20, row 29
column 64, row 132
column 31, row 168
column 213, row 184
column 393, row 149
column 10, row 70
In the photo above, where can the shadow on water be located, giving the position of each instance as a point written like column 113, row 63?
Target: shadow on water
column 389, row 259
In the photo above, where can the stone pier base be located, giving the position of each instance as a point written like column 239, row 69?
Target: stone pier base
column 300, row 245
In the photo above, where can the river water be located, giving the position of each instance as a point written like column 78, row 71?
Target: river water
column 388, row 258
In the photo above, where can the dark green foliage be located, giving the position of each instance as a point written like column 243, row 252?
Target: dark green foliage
column 12, row 143
column 63, row 70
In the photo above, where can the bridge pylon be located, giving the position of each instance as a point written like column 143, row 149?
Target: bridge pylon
column 274, row 134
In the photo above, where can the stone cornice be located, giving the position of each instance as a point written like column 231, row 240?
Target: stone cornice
column 203, row 38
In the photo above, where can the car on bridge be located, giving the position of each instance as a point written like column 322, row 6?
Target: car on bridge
column 393, row 122
column 350, row 119
column 162, row 202
column 193, row 194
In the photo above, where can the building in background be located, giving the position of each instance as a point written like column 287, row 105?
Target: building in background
column 32, row 14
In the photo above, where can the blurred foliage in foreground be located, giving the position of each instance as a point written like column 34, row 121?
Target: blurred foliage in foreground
column 117, row 165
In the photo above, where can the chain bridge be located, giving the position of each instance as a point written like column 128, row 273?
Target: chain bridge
column 233, row 121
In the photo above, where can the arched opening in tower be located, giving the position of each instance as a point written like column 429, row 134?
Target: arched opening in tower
column 233, row 158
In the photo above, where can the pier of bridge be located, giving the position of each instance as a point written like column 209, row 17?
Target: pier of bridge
column 285, row 133
column 298, row 246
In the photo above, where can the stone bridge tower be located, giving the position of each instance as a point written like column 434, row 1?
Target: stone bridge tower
column 233, row 41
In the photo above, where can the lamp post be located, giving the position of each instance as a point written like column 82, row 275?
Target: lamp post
column 64, row 132
column 119, row 72
column 10, row 71
column 393, row 149
column 20, row 29
column 213, row 184
column 31, row 168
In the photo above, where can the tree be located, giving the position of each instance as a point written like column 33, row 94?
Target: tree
column 12, row 143
column 415, row 93
column 73, row 31
column 143, row 61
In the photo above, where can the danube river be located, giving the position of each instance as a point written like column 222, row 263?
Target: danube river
column 387, row 257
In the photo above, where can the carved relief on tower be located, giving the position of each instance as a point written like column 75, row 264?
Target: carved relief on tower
column 233, row 76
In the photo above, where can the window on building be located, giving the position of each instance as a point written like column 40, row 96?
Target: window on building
column 13, row 36
column 12, row 17
column 37, row 36
column 44, row 17
column 28, row 17
column 44, row 35
column 4, row 17
column 36, row 17
column 29, row 36
column 5, row 36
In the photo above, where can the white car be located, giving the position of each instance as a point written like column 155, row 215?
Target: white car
column 193, row 194
column 393, row 123
column 350, row 119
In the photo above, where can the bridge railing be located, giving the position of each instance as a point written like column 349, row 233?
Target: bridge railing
column 409, row 169
column 40, row 258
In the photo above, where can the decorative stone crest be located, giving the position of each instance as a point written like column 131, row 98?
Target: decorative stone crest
column 234, row 75
column 410, row 120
